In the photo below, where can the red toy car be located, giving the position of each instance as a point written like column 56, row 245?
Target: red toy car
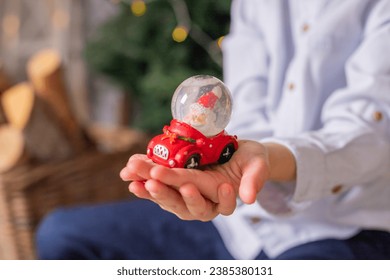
column 183, row 146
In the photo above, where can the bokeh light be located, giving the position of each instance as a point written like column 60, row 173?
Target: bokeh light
column 179, row 34
column 220, row 40
column 138, row 7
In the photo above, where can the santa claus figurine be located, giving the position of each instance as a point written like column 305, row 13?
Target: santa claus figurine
column 202, row 115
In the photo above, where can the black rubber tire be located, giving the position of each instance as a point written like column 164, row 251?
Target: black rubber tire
column 193, row 162
column 226, row 153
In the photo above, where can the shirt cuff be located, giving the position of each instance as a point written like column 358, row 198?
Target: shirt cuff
column 311, row 165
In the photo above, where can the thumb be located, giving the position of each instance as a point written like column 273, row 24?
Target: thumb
column 254, row 176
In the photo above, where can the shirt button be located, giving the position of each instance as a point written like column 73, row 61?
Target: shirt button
column 337, row 189
column 377, row 116
column 291, row 86
column 255, row 220
column 305, row 27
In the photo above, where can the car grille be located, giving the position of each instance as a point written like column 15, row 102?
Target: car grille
column 161, row 151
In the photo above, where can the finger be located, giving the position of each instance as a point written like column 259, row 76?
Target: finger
column 137, row 168
column 200, row 208
column 139, row 156
column 138, row 189
column 126, row 175
column 177, row 177
column 173, row 176
column 227, row 199
column 168, row 198
column 130, row 172
column 253, row 178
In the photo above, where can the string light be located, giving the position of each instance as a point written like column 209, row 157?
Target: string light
column 138, row 7
column 185, row 27
column 219, row 41
column 179, row 34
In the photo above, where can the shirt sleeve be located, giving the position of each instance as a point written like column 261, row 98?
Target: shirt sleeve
column 353, row 146
column 245, row 72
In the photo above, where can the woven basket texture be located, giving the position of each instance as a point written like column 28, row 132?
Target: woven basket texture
column 28, row 193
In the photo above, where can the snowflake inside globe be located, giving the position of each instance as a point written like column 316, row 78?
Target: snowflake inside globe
column 203, row 102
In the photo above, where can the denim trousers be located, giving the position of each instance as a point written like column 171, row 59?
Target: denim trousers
column 141, row 230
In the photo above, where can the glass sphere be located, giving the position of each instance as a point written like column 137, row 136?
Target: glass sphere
column 204, row 102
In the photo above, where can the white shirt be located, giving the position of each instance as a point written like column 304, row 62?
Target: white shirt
column 313, row 75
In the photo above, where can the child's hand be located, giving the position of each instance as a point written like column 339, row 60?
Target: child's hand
column 201, row 194
column 185, row 201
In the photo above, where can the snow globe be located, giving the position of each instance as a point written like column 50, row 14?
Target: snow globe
column 201, row 109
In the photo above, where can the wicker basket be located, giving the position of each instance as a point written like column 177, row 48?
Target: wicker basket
column 28, row 193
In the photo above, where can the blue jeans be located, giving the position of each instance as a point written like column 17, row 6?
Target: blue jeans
column 141, row 230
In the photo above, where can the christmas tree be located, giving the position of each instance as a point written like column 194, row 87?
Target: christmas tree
column 150, row 47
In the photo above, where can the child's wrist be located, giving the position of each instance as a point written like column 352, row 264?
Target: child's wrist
column 282, row 162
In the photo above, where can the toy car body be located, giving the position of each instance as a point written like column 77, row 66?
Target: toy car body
column 183, row 146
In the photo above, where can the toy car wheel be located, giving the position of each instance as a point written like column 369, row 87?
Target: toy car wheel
column 192, row 162
column 226, row 154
